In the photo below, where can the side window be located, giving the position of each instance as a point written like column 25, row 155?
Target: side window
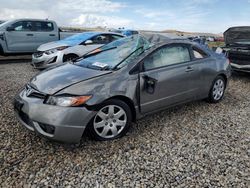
column 44, row 26
column 167, row 56
column 115, row 37
column 100, row 39
column 135, row 32
column 23, row 26
column 199, row 54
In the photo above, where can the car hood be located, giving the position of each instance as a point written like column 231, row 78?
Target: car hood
column 235, row 35
column 53, row 80
column 52, row 45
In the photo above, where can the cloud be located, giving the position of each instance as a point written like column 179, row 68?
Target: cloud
column 94, row 20
column 65, row 12
column 6, row 14
column 188, row 17
column 87, row 6
column 149, row 13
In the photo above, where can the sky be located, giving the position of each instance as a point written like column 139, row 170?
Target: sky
column 213, row 16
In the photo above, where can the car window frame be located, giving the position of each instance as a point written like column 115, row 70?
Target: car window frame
column 142, row 68
column 35, row 28
column 192, row 47
column 111, row 36
column 102, row 34
column 32, row 25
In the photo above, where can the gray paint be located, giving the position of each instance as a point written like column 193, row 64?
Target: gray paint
column 175, row 85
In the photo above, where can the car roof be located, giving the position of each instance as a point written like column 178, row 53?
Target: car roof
column 181, row 41
column 94, row 33
column 31, row 19
column 80, row 37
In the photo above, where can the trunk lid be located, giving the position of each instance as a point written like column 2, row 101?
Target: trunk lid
column 237, row 36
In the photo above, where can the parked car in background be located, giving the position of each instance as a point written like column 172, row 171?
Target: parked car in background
column 25, row 35
column 219, row 39
column 126, row 32
column 52, row 53
column 129, row 32
column 198, row 39
column 210, row 39
column 237, row 41
column 123, row 81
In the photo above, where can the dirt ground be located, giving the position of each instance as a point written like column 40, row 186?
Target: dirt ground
column 193, row 145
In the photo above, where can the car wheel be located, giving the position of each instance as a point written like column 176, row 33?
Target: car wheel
column 69, row 57
column 111, row 121
column 217, row 90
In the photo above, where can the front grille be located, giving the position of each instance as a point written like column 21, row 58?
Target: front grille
column 37, row 95
column 31, row 92
column 38, row 54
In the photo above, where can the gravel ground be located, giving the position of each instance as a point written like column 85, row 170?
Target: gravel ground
column 193, row 145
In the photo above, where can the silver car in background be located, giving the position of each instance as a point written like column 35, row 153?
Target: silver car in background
column 22, row 36
column 106, row 90
column 53, row 53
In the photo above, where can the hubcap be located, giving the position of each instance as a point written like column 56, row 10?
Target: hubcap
column 218, row 89
column 110, row 121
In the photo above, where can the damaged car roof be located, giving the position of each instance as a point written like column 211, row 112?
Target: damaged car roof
column 120, row 52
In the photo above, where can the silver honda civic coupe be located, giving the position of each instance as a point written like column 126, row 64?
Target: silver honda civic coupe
column 107, row 89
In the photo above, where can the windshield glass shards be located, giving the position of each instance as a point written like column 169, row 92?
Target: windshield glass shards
column 115, row 53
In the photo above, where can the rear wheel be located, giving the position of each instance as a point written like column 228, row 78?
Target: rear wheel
column 217, row 90
column 111, row 121
column 69, row 57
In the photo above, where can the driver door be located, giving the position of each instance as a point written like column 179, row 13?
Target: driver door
column 21, row 39
column 165, row 79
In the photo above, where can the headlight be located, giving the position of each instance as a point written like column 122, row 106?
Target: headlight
column 67, row 101
column 51, row 51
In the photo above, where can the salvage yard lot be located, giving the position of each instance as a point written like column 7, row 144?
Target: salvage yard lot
column 198, row 144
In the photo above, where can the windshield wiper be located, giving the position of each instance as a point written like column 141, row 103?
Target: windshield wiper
column 115, row 67
column 98, row 52
column 91, row 54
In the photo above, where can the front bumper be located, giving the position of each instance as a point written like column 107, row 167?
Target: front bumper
column 43, row 60
column 63, row 124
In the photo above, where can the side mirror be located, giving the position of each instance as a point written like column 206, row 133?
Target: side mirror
column 87, row 42
column 10, row 29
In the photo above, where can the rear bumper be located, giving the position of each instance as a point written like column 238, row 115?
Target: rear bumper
column 63, row 124
column 241, row 68
column 240, row 61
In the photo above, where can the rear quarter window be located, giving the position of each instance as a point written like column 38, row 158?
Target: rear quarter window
column 198, row 53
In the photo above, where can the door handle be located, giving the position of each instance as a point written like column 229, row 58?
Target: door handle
column 189, row 69
column 52, row 35
column 30, row 35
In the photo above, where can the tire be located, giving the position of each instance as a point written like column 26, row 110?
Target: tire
column 217, row 90
column 106, row 125
column 69, row 57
